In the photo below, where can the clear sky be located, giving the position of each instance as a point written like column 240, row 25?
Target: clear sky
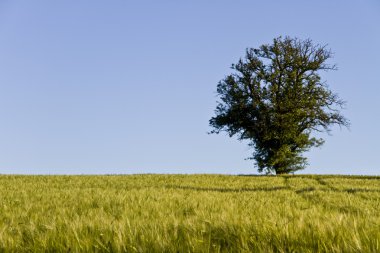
column 129, row 86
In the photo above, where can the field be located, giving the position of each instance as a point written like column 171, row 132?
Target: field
column 189, row 213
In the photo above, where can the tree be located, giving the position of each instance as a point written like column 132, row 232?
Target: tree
column 276, row 99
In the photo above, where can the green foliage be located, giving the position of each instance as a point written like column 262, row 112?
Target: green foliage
column 276, row 99
column 189, row 213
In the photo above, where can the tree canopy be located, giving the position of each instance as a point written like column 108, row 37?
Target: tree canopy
column 276, row 99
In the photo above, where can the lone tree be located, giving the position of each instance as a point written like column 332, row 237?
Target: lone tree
column 276, row 99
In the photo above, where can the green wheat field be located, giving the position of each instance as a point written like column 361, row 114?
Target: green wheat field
column 189, row 213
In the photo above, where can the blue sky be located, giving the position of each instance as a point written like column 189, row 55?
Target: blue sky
column 93, row 87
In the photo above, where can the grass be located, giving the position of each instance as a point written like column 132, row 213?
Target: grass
column 189, row 213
